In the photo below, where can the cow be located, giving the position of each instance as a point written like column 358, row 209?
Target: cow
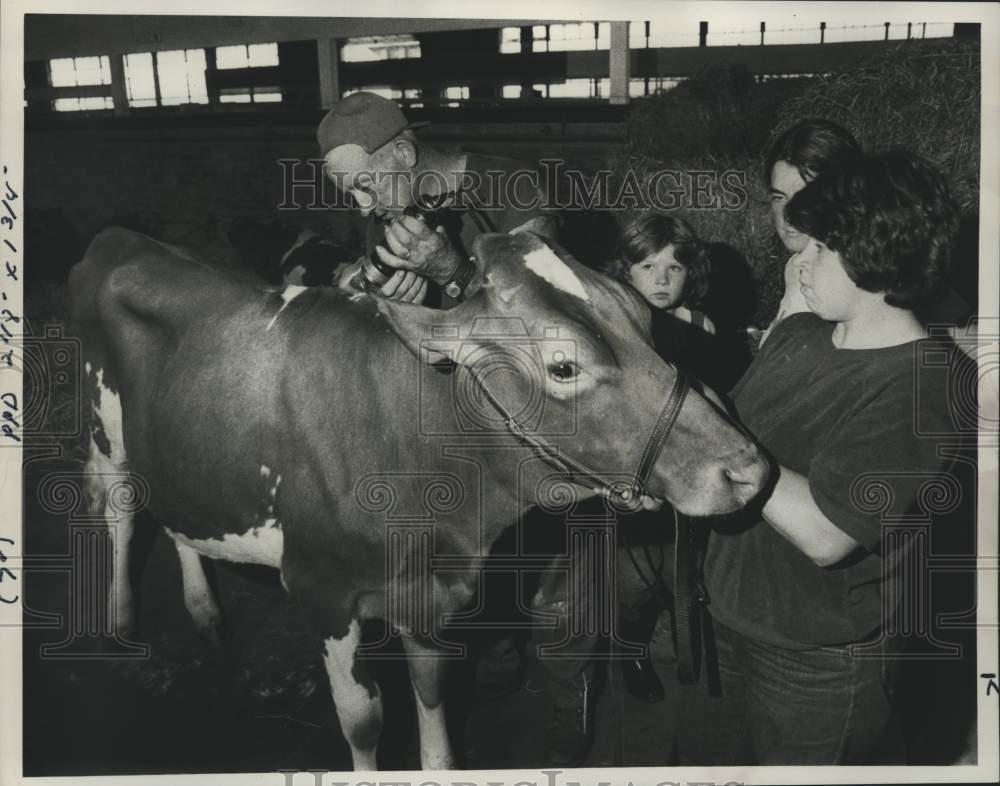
column 280, row 254
column 372, row 450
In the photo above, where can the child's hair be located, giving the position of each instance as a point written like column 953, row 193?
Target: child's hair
column 652, row 233
column 891, row 219
column 812, row 146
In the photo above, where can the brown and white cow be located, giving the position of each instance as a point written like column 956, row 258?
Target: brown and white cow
column 304, row 429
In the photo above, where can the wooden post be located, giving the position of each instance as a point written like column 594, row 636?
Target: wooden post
column 762, row 27
column 119, row 89
column 886, row 31
column 703, row 34
column 909, row 30
column 618, row 63
column 328, row 52
column 212, row 76
column 822, row 32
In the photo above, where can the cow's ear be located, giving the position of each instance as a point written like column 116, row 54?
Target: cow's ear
column 432, row 334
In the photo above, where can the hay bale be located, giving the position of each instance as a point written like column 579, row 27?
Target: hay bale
column 919, row 95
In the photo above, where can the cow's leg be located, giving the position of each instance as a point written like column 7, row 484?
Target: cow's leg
column 100, row 475
column 427, row 677
column 198, row 597
column 105, row 468
column 356, row 696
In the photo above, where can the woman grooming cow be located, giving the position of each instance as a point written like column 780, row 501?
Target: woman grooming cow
column 837, row 396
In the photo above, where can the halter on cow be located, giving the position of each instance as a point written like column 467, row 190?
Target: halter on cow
column 339, row 455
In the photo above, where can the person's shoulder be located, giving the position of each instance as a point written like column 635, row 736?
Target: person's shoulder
column 803, row 326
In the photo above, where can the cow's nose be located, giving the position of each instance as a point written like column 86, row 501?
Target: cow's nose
column 748, row 477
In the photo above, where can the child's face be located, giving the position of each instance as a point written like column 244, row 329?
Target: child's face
column 786, row 182
column 660, row 278
column 828, row 290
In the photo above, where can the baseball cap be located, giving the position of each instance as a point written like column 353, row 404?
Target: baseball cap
column 364, row 119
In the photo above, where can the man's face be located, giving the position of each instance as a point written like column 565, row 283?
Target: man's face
column 786, row 182
column 378, row 182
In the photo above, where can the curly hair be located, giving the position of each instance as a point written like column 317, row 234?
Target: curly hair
column 891, row 219
column 812, row 146
column 652, row 233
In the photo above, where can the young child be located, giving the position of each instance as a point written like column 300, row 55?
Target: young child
column 662, row 258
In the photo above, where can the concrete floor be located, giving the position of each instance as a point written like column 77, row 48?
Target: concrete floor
column 261, row 702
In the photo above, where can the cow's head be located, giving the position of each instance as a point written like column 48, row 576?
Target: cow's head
column 572, row 349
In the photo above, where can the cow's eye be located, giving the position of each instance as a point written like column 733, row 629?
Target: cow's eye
column 563, row 372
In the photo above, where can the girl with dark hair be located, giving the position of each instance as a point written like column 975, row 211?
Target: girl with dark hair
column 844, row 399
column 662, row 258
column 797, row 157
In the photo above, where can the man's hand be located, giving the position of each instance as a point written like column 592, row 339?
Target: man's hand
column 412, row 245
column 405, row 285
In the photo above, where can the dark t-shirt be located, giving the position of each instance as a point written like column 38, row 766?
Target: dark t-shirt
column 688, row 345
column 865, row 427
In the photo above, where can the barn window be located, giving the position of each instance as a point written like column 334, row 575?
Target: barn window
column 248, row 95
column 571, row 36
column 638, row 34
column 77, row 71
column 78, row 104
column 71, row 72
column 140, row 79
column 246, row 56
column 181, row 75
column 510, row 40
column 381, row 47
column 573, row 88
column 511, row 91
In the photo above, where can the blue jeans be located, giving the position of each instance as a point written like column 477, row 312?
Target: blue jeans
column 783, row 706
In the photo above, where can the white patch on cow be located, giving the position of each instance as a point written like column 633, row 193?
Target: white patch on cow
column 87, row 367
column 303, row 237
column 295, row 276
column 357, row 710
column 108, row 412
column 100, row 473
column 198, row 597
column 263, row 545
column 545, row 263
column 265, row 471
column 435, row 747
column 288, row 294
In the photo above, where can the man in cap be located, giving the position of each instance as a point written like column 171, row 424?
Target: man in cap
column 371, row 152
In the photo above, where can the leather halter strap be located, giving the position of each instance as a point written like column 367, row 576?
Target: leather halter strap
column 625, row 494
